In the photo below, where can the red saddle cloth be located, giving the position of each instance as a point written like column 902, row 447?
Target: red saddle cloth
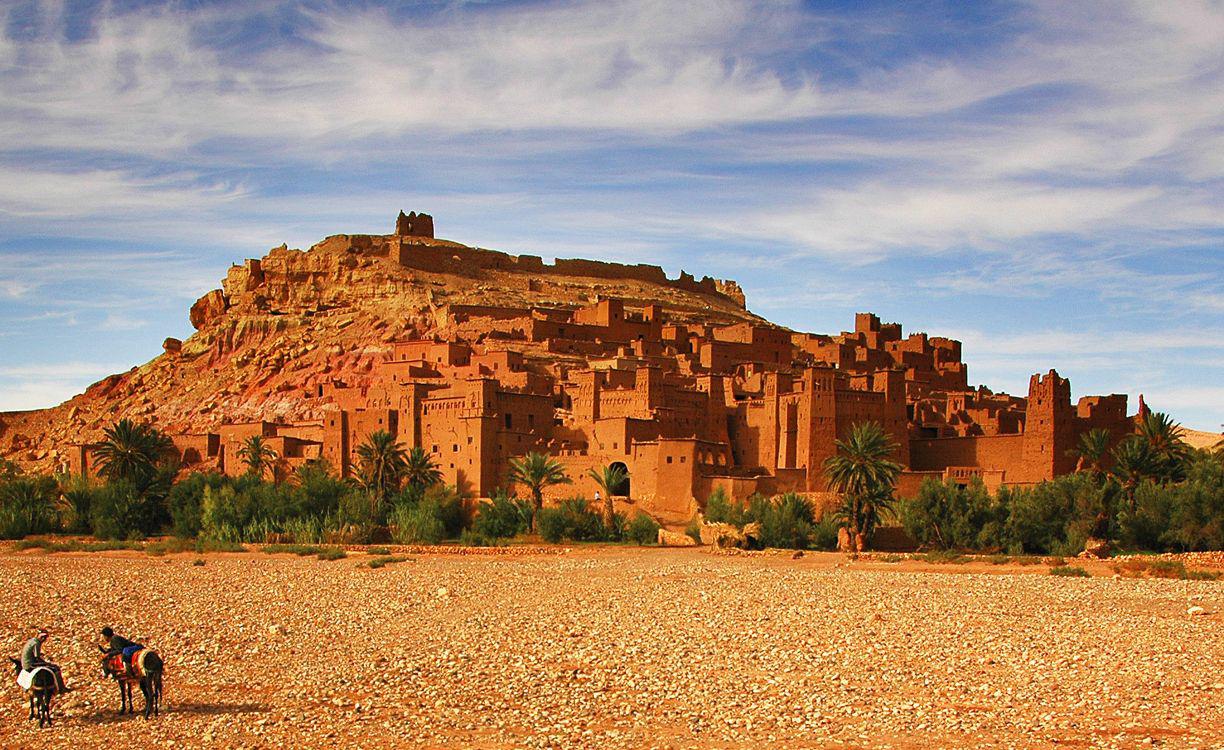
column 115, row 664
column 136, row 664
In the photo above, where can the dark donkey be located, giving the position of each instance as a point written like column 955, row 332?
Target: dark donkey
column 144, row 669
column 42, row 689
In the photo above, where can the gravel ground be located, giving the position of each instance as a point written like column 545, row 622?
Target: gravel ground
column 620, row 649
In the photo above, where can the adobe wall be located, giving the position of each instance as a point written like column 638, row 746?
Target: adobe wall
column 468, row 261
column 1001, row 452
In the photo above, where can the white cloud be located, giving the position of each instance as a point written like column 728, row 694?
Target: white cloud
column 40, row 385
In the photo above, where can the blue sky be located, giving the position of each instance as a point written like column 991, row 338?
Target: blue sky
column 1044, row 181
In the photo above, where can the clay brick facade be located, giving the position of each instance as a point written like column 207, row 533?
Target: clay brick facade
column 685, row 403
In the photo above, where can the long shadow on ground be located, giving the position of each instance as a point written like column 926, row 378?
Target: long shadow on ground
column 194, row 709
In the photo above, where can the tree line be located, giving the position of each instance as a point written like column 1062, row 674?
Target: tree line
column 1149, row 491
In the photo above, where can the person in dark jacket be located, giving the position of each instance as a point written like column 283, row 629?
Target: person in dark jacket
column 32, row 658
column 117, row 644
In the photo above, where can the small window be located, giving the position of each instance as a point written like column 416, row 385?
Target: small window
column 455, row 448
column 435, row 449
column 683, row 459
column 669, row 459
column 469, row 439
column 509, row 421
column 530, row 420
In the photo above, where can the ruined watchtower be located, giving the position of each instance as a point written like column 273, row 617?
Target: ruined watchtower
column 414, row 225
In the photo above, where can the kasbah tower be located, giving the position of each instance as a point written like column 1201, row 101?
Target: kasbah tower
column 677, row 382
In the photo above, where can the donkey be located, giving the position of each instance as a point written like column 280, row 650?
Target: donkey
column 41, row 690
column 145, row 671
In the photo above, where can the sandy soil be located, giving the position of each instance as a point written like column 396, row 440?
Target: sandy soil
column 621, row 648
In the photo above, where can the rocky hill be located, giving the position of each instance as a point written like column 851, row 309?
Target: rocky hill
column 286, row 323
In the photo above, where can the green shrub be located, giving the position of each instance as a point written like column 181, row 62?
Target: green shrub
column 891, row 558
column 197, row 562
column 377, row 551
column 384, row 560
column 436, row 515
column 502, row 517
column 27, row 506
column 786, row 522
column 417, row 524
column 304, row 530
column 571, row 520
column 332, row 553
column 824, row 533
column 642, row 530
column 947, row 516
column 719, row 509
column 1069, row 571
column 78, row 493
column 999, row 559
column 185, row 502
column 120, row 512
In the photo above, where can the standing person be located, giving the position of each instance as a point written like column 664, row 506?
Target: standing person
column 32, row 658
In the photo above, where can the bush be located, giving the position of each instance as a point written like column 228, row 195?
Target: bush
column 721, row 510
column 27, row 506
column 943, row 556
column 786, row 522
column 384, row 560
column 417, row 524
column 185, row 502
column 571, row 520
column 642, row 530
column 332, row 553
column 377, row 551
column 78, row 493
column 948, row 516
column 824, row 533
column 120, row 512
column 1069, row 571
column 1054, row 517
column 502, row 517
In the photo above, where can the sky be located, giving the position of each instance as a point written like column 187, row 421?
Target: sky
column 1041, row 180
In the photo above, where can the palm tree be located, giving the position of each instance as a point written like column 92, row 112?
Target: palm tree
column 132, row 452
column 1164, row 439
column 610, row 478
column 1091, row 451
column 258, row 456
column 381, row 466
column 1133, row 462
column 537, row 471
column 419, row 469
column 864, row 475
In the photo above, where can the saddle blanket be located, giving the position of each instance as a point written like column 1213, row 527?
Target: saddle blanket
column 26, row 678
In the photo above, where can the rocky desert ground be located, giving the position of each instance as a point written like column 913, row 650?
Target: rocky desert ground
column 614, row 648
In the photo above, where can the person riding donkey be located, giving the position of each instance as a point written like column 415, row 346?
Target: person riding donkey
column 32, row 658
column 118, row 645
